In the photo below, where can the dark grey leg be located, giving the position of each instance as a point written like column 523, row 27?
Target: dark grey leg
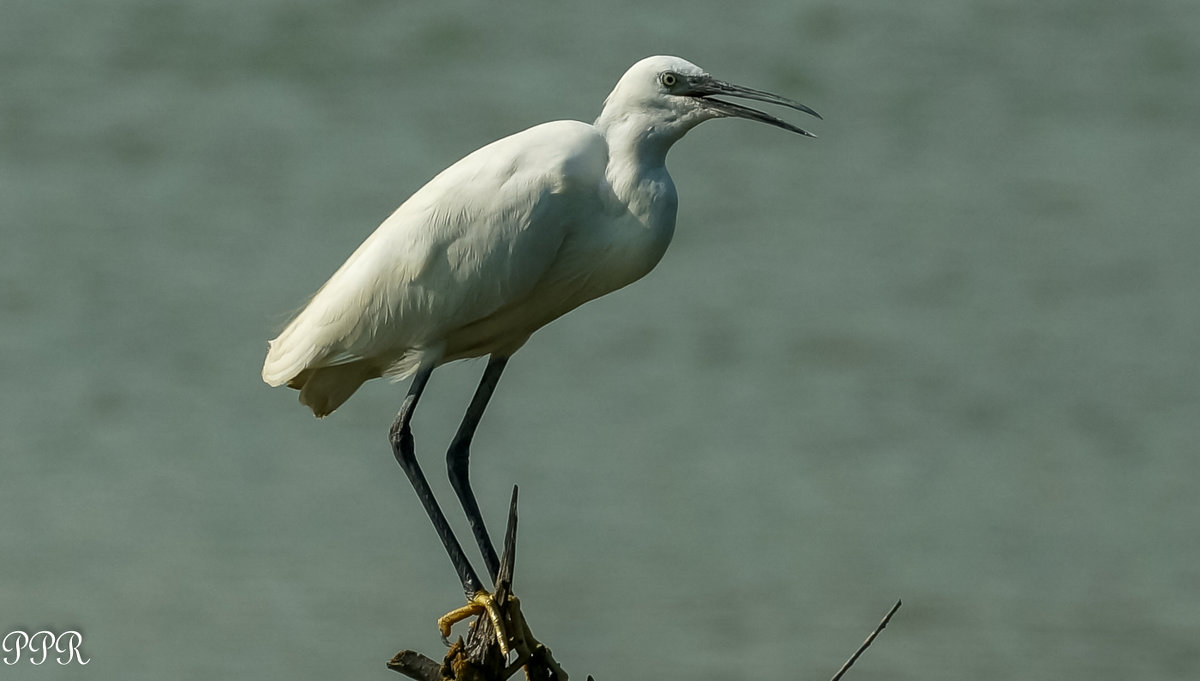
column 458, row 460
column 402, row 446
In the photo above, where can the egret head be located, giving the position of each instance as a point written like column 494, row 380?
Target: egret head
column 667, row 96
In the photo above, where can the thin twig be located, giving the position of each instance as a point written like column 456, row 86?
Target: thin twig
column 867, row 642
column 482, row 644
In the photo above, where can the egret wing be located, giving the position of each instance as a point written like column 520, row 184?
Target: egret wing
column 477, row 237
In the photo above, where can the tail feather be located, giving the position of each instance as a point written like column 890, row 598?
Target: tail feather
column 325, row 376
column 323, row 387
column 285, row 361
column 326, row 388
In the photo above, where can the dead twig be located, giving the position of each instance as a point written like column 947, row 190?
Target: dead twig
column 866, row 643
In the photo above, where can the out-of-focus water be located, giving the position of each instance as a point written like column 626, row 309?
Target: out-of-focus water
column 946, row 352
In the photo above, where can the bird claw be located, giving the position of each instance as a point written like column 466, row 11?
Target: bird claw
column 481, row 603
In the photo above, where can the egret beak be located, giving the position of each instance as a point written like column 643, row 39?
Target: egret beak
column 702, row 87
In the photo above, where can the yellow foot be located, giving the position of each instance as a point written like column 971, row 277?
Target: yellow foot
column 481, row 602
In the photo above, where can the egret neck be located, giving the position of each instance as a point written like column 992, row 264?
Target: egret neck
column 638, row 141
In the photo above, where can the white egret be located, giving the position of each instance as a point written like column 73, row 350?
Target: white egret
column 496, row 246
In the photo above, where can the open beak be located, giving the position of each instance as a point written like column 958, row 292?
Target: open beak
column 704, row 87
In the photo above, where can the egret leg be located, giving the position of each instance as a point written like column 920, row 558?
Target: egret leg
column 458, row 461
column 404, row 450
column 478, row 600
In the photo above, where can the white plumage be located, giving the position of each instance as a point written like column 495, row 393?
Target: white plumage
column 506, row 240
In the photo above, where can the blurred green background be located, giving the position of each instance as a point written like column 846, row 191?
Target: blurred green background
column 946, row 352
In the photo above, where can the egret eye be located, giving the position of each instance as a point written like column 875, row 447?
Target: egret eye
column 668, row 79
